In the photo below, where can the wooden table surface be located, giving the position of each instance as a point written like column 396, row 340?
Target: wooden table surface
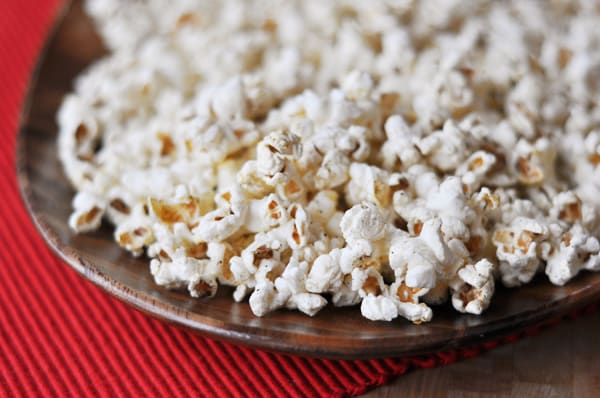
column 563, row 361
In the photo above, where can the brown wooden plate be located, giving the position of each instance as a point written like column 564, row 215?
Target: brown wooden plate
column 334, row 332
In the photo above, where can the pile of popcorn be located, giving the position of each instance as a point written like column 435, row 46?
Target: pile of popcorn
column 394, row 154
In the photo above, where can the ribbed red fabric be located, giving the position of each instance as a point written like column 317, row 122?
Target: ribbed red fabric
column 62, row 336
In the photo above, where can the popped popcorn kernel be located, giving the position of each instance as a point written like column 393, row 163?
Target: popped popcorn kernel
column 364, row 153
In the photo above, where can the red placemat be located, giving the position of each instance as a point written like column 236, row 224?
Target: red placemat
column 61, row 336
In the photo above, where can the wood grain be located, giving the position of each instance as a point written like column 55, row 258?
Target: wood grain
column 559, row 362
column 334, row 332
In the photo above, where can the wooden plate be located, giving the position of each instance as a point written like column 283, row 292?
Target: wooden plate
column 334, row 332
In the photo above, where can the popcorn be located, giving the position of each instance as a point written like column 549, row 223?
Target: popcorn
column 135, row 231
column 382, row 155
column 517, row 248
column 264, row 299
column 473, row 171
column 87, row 212
column 325, row 274
column 566, row 207
column 76, row 143
column 446, row 148
column 378, row 308
column 367, row 281
column 220, row 224
column 400, row 144
column 399, row 300
column 333, row 171
column 368, row 183
column 535, row 163
column 272, row 151
column 178, row 269
column 323, row 206
column 363, row 221
column 523, row 105
column 473, row 288
column 576, row 250
column 265, row 214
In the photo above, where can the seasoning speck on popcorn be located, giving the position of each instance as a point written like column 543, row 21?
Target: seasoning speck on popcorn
column 392, row 154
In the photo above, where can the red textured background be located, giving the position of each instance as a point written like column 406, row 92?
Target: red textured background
column 62, row 336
